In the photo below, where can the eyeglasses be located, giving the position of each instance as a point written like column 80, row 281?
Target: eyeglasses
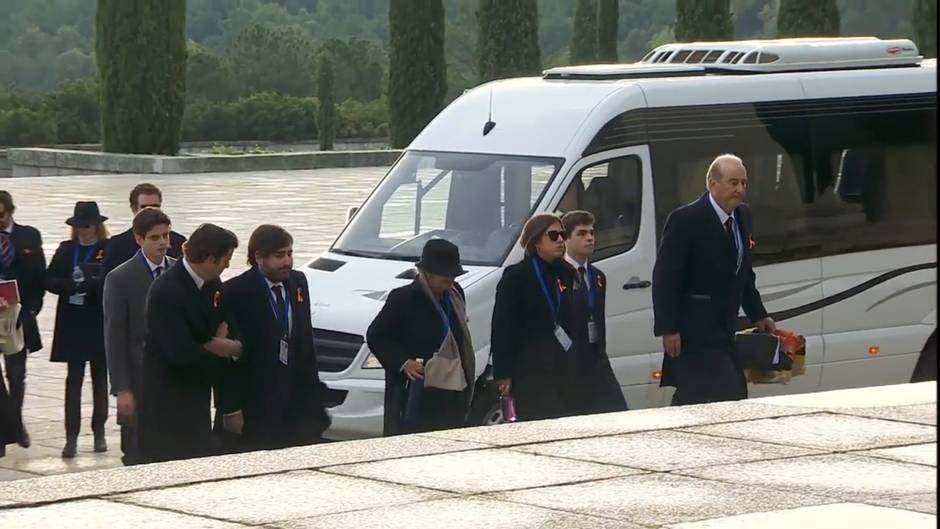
column 555, row 235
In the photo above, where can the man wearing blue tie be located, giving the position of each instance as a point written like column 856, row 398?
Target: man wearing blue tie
column 702, row 278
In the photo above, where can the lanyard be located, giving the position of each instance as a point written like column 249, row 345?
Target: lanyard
column 444, row 310
column 588, row 286
column 553, row 304
column 153, row 274
column 75, row 251
column 281, row 318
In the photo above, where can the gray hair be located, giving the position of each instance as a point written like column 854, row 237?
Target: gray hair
column 714, row 169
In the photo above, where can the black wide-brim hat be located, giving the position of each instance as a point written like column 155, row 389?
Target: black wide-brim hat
column 440, row 257
column 86, row 214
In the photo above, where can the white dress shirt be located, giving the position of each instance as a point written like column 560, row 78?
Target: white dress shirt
column 271, row 285
column 574, row 262
column 196, row 279
column 723, row 218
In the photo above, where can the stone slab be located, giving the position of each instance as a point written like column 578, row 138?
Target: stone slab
column 617, row 423
column 854, row 515
column 658, row 499
column 11, row 475
column 922, row 454
column 665, row 450
column 279, row 497
column 847, row 477
column 916, row 413
column 102, row 514
column 459, row 513
column 825, row 431
column 482, row 471
column 874, row 396
column 926, row 503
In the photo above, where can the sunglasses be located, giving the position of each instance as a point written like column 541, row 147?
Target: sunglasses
column 555, row 235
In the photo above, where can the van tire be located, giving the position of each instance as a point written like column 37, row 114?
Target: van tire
column 484, row 410
column 926, row 368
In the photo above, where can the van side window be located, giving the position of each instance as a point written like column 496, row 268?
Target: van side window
column 611, row 191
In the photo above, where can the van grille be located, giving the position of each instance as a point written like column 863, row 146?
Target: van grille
column 335, row 350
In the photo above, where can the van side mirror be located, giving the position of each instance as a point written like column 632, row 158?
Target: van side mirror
column 351, row 212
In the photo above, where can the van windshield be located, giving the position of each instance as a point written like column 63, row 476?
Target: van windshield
column 477, row 201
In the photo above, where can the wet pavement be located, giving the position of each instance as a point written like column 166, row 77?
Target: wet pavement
column 693, row 467
column 310, row 204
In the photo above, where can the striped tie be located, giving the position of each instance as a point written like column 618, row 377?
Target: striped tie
column 6, row 251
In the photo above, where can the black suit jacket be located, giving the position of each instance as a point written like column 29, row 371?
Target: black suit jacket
column 123, row 246
column 29, row 271
column 179, row 373
column 696, row 292
column 282, row 405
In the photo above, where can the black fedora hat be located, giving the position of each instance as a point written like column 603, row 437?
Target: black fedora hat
column 440, row 257
column 86, row 214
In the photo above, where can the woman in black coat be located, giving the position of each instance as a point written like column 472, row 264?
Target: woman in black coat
column 421, row 339
column 74, row 275
column 533, row 325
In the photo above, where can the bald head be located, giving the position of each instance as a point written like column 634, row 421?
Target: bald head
column 726, row 180
column 722, row 165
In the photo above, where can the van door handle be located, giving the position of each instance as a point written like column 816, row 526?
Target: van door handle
column 635, row 283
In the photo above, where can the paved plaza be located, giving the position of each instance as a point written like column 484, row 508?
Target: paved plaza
column 310, row 204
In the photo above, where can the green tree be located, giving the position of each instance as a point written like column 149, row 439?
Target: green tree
column 608, row 21
column 74, row 105
column 584, row 37
column 417, row 78
column 703, row 20
column 808, row 18
column 326, row 113
column 208, row 76
column 141, row 55
column 508, row 43
column 359, row 67
column 925, row 26
column 278, row 60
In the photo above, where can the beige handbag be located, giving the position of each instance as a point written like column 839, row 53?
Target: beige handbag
column 11, row 334
column 444, row 370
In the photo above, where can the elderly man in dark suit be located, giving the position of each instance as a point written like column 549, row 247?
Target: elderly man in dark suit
column 701, row 279
column 123, row 246
column 22, row 259
column 125, row 303
column 279, row 393
column 186, row 349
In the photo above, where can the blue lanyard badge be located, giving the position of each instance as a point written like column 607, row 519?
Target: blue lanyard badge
column 554, row 304
column 84, row 259
column 281, row 317
column 588, row 286
column 444, row 310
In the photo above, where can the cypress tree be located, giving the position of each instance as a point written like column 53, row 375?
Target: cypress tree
column 326, row 112
column 808, row 18
column 509, row 39
column 925, row 27
column 608, row 20
column 703, row 20
column 417, row 77
column 140, row 48
column 584, row 37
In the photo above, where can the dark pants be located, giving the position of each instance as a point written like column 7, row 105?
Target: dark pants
column 73, row 397
column 130, row 442
column 708, row 374
column 16, row 381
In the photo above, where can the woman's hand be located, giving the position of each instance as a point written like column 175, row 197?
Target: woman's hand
column 504, row 386
column 413, row 370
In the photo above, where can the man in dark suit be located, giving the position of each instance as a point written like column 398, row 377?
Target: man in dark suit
column 186, row 349
column 701, row 279
column 280, row 396
column 600, row 390
column 22, row 259
column 125, row 304
column 123, row 246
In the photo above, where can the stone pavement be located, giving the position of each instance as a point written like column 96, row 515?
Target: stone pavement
column 860, row 458
column 310, row 204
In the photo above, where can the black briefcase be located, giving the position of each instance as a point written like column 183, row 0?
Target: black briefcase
column 761, row 351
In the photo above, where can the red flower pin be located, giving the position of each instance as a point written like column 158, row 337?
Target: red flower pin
column 562, row 287
column 216, row 298
column 750, row 242
column 600, row 281
column 300, row 295
column 100, row 255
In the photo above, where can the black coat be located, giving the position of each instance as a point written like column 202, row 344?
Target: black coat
column 178, row 372
column 697, row 294
column 123, row 246
column 599, row 389
column 409, row 326
column 79, row 329
column 282, row 405
column 29, row 271
column 524, row 346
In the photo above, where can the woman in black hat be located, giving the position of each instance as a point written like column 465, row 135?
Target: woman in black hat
column 75, row 276
column 421, row 339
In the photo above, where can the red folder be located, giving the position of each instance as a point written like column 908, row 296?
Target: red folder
column 10, row 292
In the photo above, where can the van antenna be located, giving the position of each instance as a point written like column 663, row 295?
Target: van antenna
column 488, row 126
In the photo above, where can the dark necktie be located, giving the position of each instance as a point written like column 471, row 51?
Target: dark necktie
column 584, row 284
column 730, row 231
column 6, row 251
column 157, row 271
column 281, row 308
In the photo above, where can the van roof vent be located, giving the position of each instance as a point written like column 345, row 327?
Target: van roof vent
column 624, row 71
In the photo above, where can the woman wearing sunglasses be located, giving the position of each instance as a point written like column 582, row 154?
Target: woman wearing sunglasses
column 532, row 324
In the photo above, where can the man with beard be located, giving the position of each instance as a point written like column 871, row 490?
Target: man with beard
column 281, row 396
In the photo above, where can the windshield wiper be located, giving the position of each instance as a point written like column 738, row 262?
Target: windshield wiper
column 376, row 255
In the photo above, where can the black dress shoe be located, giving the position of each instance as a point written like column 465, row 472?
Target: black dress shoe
column 25, row 441
column 101, row 445
column 70, row 449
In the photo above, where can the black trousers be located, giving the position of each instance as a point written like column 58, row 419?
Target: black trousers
column 130, row 442
column 708, row 374
column 73, row 397
column 15, row 366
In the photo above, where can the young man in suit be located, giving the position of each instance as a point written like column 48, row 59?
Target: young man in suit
column 125, row 303
column 123, row 246
column 701, row 279
column 186, row 349
column 22, row 259
column 600, row 389
column 280, row 397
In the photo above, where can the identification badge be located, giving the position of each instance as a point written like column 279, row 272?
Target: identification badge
column 77, row 299
column 592, row 332
column 283, row 353
column 562, row 338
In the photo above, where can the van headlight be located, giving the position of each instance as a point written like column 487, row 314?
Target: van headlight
column 371, row 362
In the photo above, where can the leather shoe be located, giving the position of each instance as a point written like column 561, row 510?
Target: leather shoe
column 70, row 449
column 101, row 445
column 25, row 441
